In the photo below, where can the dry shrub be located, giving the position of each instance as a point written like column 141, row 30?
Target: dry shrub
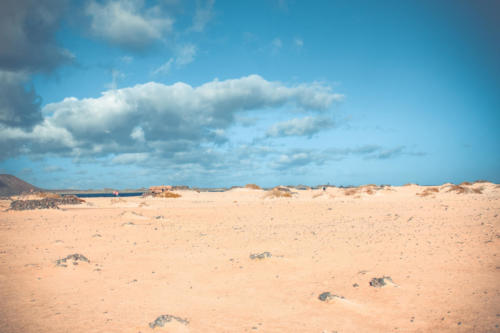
column 461, row 190
column 351, row 191
column 481, row 181
column 167, row 194
column 48, row 195
column 457, row 188
column 369, row 191
column 278, row 193
column 253, row 186
column 478, row 190
column 465, row 183
column 428, row 191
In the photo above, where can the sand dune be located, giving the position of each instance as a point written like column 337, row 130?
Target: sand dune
column 367, row 259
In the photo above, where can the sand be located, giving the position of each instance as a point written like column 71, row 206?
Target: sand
column 188, row 259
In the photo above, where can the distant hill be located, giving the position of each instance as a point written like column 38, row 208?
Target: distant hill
column 11, row 185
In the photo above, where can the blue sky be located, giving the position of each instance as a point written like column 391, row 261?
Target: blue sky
column 135, row 93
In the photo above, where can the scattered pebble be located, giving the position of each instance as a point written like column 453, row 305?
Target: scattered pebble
column 262, row 255
column 328, row 297
column 380, row 282
column 75, row 257
column 163, row 319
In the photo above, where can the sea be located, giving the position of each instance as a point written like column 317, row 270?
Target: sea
column 108, row 195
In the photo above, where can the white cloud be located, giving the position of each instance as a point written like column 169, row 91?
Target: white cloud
column 164, row 68
column 299, row 42
column 116, row 75
column 138, row 134
column 127, row 23
column 52, row 168
column 203, row 15
column 130, row 158
column 276, row 45
column 185, row 54
column 306, row 126
column 127, row 59
column 173, row 121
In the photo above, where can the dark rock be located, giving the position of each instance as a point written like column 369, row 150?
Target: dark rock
column 355, row 285
column 75, row 257
column 327, row 297
column 380, row 282
column 163, row 319
column 46, row 203
column 261, row 255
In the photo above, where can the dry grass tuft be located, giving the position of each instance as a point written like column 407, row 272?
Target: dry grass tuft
column 278, row 193
column 461, row 190
column 48, row 195
column 479, row 181
column 457, row 188
column 465, row 183
column 253, row 186
column 351, row 191
column 167, row 194
column 428, row 191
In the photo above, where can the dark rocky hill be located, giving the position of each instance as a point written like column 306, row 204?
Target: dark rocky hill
column 11, row 185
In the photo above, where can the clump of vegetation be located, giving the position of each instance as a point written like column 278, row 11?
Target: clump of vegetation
column 465, row 183
column 166, row 194
column 253, row 186
column 428, row 191
column 278, row 192
column 351, row 191
column 481, row 181
column 48, row 195
column 461, row 189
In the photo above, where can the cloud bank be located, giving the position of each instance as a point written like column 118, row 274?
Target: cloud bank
column 169, row 121
column 128, row 23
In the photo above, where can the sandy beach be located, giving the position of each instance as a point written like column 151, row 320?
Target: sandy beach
column 195, row 259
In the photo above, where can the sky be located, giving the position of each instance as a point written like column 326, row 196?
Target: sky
column 212, row 93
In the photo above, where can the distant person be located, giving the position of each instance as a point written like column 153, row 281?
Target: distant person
column 324, row 188
column 116, row 193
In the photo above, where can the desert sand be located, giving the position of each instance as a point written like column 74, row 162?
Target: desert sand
column 189, row 259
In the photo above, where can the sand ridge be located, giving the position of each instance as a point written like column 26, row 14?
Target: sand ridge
column 186, row 263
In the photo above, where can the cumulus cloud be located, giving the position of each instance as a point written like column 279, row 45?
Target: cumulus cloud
column 138, row 134
column 128, row 23
column 307, row 126
column 295, row 158
column 27, row 45
column 27, row 35
column 19, row 107
column 170, row 120
column 131, row 158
